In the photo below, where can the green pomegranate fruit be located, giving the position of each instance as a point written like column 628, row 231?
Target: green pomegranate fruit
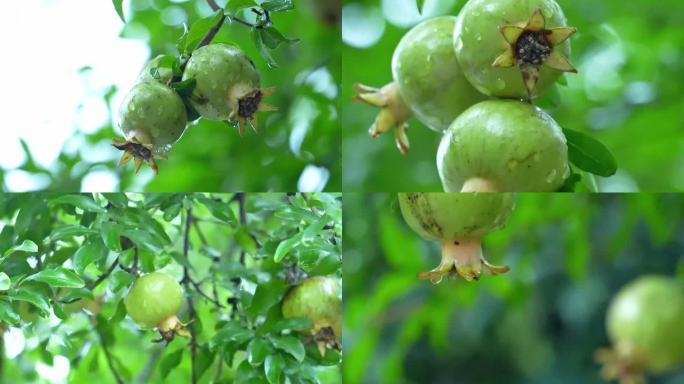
column 153, row 301
column 165, row 74
column 503, row 146
column 428, row 83
column 458, row 221
column 513, row 48
column 644, row 323
column 227, row 85
column 318, row 299
column 152, row 117
column 430, row 79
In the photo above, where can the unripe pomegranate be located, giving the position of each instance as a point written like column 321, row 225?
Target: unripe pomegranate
column 227, row 85
column 318, row 299
column 644, row 323
column 458, row 221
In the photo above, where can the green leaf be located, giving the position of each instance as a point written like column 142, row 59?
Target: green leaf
column 198, row 30
column 277, row 5
column 246, row 241
column 419, row 4
column 111, row 235
column 588, row 154
column 257, row 351
column 58, row 277
column 79, row 293
column 119, row 200
column 118, row 5
column 234, row 5
column 33, row 295
column 7, row 314
column 84, row 202
column 143, row 238
column 205, row 357
column 184, row 88
column 293, row 324
column 170, row 361
column 232, row 333
column 285, row 246
column 92, row 251
column 5, row 282
column 315, row 229
column 219, row 210
column 273, row 367
column 258, row 39
column 26, row 246
column 119, row 279
column 265, row 296
column 273, row 38
column 67, row 231
column 290, row 344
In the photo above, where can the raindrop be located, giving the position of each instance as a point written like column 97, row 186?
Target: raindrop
column 552, row 176
column 513, row 164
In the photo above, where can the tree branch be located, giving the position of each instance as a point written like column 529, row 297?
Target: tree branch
column 240, row 197
column 108, row 355
column 199, row 290
column 212, row 4
column 97, row 282
column 186, row 282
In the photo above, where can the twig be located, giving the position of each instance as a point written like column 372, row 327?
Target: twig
column 186, row 281
column 108, row 355
column 200, row 233
column 199, row 290
column 147, row 371
column 212, row 4
column 240, row 197
column 97, row 282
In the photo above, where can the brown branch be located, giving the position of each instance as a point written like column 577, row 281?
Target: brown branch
column 212, row 4
column 108, row 355
column 199, row 290
column 96, row 282
column 186, row 281
column 240, row 197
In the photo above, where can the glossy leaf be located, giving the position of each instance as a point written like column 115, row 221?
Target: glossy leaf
column 58, row 277
column 170, row 361
column 290, row 344
column 588, row 154
column 26, row 246
column 84, row 202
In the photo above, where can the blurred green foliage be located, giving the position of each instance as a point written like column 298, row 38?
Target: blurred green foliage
column 627, row 94
column 66, row 262
column 211, row 156
column 539, row 323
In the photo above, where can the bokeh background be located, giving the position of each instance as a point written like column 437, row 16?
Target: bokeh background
column 627, row 94
column 539, row 323
column 73, row 61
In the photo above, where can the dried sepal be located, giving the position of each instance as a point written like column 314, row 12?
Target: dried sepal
column 134, row 150
column 462, row 258
column 533, row 46
column 244, row 112
column 393, row 112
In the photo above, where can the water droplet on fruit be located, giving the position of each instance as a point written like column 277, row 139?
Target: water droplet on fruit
column 131, row 107
column 500, row 83
column 536, row 157
column 513, row 164
column 552, row 176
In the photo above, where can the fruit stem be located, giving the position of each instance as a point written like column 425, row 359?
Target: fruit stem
column 393, row 112
column 462, row 257
column 621, row 363
column 477, row 184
